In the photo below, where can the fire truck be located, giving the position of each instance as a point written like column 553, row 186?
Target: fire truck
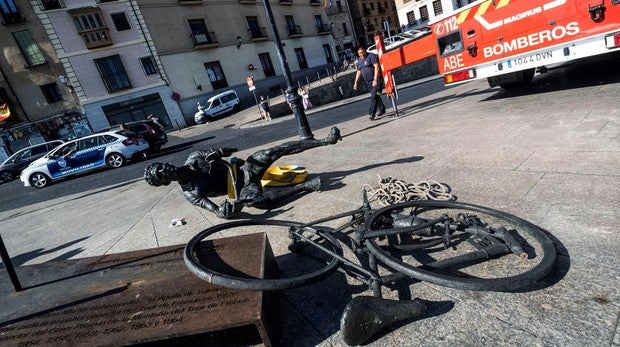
column 507, row 41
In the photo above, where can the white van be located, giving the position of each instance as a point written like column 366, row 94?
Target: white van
column 217, row 105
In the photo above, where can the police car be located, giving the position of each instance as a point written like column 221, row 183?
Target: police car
column 109, row 149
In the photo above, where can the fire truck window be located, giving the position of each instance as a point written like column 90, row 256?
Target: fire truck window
column 450, row 44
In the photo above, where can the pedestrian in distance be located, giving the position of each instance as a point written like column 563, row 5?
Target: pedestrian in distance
column 264, row 105
column 205, row 175
column 368, row 68
column 153, row 118
column 305, row 98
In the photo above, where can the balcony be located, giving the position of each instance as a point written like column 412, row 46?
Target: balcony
column 96, row 38
column 294, row 31
column 45, row 5
column 247, row 2
column 335, row 10
column 316, row 2
column 205, row 40
column 322, row 29
column 286, row 2
column 12, row 18
column 258, row 34
column 190, row 2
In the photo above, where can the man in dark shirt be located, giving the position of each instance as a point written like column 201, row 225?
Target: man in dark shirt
column 205, row 174
column 368, row 68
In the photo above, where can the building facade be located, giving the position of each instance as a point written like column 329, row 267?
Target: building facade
column 34, row 104
column 413, row 14
column 373, row 17
column 207, row 47
column 342, row 28
column 110, row 62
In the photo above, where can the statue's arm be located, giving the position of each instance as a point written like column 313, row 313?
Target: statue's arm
column 225, row 210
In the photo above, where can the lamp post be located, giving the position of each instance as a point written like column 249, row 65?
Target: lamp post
column 302, row 122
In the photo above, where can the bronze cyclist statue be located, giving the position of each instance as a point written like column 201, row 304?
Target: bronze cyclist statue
column 205, row 175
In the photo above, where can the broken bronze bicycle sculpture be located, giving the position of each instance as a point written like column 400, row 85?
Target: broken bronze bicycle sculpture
column 447, row 243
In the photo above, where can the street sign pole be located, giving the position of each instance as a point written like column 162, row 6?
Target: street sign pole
column 302, row 122
column 252, row 88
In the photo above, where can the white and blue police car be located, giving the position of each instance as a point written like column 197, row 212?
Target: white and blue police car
column 109, row 149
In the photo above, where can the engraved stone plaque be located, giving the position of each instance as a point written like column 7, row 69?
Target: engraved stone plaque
column 142, row 297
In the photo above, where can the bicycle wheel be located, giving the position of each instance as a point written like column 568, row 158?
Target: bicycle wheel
column 481, row 247
column 236, row 278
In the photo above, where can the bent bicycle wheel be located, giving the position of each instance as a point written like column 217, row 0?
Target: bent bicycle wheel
column 309, row 268
column 459, row 245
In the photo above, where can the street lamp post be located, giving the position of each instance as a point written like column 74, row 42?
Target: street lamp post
column 298, row 111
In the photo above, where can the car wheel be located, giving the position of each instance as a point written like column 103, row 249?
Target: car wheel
column 39, row 180
column 115, row 160
column 6, row 176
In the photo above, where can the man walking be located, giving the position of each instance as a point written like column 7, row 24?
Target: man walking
column 368, row 68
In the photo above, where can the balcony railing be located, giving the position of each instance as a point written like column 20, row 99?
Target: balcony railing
column 12, row 18
column 294, row 31
column 207, row 39
column 190, row 2
column 258, row 34
column 322, row 29
column 247, row 1
column 96, row 38
column 51, row 4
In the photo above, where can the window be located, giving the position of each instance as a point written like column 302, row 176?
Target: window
column 199, row 31
column 120, row 21
column 113, row 73
column 423, row 13
column 328, row 53
column 88, row 142
column 91, row 27
column 411, row 18
column 148, row 65
column 51, row 92
column 318, row 21
column 437, row 8
column 216, row 75
column 255, row 30
column 291, row 27
column 29, row 48
column 345, row 30
column 301, row 58
column 51, row 4
column 10, row 13
column 265, row 62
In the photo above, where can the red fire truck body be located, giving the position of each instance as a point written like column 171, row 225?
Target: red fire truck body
column 506, row 40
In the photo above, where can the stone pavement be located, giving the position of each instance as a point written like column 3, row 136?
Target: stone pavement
column 552, row 161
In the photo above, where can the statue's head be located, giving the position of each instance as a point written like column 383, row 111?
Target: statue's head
column 160, row 174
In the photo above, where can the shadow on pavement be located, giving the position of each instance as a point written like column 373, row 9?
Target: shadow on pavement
column 21, row 259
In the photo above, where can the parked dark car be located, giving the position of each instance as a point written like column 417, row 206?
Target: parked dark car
column 13, row 166
column 152, row 132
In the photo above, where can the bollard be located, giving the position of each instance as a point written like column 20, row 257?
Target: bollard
column 8, row 265
column 178, row 126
